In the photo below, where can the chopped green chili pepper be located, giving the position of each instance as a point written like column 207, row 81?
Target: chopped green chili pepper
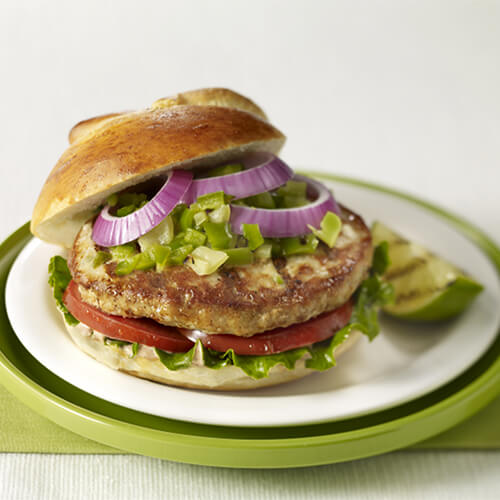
column 206, row 260
column 146, row 261
column 126, row 210
column 264, row 251
column 132, row 198
column 219, row 235
column 200, row 218
column 221, row 214
column 210, row 201
column 293, row 246
column 128, row 203
column 293, row 202
column 194, row 237
column 252, row 233
column 162, row 234
column 276, row 250
column 238, row 256
column 175, row 214
column 160, row 254
column 178, row 241
column 330, row 229
column 293, row 194
column 126, row 266
column 262, row 200
column 124, row 251
column 232, row 168
column 100, row 258
column 179, row 255
column 112, row 200
column 293, row 188
column 186, row 218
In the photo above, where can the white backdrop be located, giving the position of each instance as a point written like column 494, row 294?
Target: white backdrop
column 405, row 93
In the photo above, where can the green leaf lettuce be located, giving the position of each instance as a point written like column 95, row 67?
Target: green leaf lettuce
column 59, row 278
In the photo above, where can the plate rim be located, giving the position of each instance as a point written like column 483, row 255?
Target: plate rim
column 282, row 408
column 321, row 448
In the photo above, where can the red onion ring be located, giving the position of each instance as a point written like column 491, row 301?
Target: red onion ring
column 110, row 230
column 284, row 223
column 263, row 172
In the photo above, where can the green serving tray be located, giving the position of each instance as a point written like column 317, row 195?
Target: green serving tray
column 272, row 447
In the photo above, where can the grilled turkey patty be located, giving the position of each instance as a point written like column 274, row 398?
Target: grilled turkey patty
column 241, row 300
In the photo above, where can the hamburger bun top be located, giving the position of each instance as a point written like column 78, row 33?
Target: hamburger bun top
column 110, row 153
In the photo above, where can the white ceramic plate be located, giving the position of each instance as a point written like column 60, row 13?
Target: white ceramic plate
column 404, row 362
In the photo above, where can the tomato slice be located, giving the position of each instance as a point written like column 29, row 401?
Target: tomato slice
column 148, row 332
column 281, row 339
column 144, row 331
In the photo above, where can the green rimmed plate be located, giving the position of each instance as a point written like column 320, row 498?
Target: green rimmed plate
column 249, row 447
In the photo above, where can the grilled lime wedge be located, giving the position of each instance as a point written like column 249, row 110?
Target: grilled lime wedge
column 427, row 287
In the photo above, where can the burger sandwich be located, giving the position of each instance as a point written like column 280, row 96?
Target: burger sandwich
column 196, row 257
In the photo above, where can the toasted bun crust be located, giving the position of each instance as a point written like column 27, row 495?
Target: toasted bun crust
column 81, row 129
column 224, row 98
column 229, row 378
column 113, row 152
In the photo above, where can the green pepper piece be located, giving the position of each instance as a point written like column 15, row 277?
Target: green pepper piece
column 293, row 246
column 238, row 256
column 293, row 201
column 100, row 258
column 145, row 261
column 206, row 260
column 186, row 219
column 175, row 214
column 262, row 200
column 179, row 255
column 126, row 266
column 330, row 229
column 221, row 214
column 264, row 252
column 276, row 250
column 160, row 254
column 232, row 168
column 210, row 201
column 252, row 233
column 293, row 188
column 178, row 241
column 121, row 252
column 161, row 234
column 194, row 237
column 219, row 235
column 199, row 218
column 112, row 200
column 126, row 210
column 135, row 199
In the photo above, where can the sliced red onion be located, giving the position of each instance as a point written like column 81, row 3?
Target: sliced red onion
column 263, row 172
column 110, row 230
column 284, row 223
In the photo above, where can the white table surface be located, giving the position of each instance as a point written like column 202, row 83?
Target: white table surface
column 401, row 93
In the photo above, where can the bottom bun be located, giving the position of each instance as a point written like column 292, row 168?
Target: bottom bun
column 146, row 364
